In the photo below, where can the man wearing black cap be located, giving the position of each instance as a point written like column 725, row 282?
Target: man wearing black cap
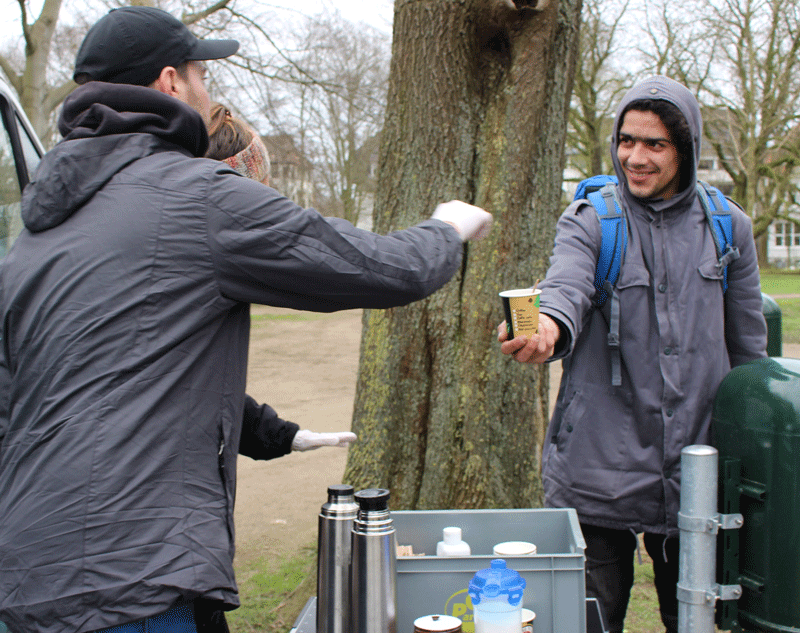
column 125, row 326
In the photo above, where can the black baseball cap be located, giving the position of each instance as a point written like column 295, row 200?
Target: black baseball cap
column 131, row 45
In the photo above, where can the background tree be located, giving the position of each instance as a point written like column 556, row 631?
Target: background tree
column 42, row 76
column 321, row 80
column 39, row 86
column 600, row 80
column 675, row 40
column 477, row 110
column 336, row 82
column 754, row 127
column 743, row 62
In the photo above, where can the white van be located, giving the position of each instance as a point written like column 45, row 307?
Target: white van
column 20, row 153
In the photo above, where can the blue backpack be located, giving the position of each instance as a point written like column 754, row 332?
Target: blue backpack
column 601, row 192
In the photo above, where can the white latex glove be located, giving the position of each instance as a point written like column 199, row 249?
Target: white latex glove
column 471, row 222
column 305, row 440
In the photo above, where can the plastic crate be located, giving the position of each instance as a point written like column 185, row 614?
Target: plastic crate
column 556, row 587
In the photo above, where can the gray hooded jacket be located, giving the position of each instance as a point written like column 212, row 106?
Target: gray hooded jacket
column 613, row 453
column 125, row 330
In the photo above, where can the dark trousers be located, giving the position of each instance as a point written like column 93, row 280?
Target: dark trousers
column 199, row 616
column 609, row 573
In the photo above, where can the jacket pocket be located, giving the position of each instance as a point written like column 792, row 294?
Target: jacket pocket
column 633, row 275
column 222, row 464
column 590, row 453
column 630, row 293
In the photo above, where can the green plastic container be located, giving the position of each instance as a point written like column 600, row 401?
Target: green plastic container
column 772, row 315
column 757, row 432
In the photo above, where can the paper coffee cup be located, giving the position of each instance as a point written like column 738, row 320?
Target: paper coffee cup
column 528, row 617
column 521, row 308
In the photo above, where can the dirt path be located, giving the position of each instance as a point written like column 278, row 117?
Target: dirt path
column 304, row 365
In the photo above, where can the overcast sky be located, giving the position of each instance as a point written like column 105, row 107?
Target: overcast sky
column 377, row 13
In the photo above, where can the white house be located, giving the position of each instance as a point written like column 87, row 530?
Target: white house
column 783, row 246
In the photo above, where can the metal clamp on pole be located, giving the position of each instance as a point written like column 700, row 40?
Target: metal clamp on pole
column 709, row 525
column 699, row 522
column 709, row 597
column 712, row 525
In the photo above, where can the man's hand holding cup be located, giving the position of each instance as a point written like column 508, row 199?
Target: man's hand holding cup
column 532, row 348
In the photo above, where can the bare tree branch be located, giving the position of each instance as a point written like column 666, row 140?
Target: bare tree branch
column 57, row 94
column 596, row 88
column 14, row 78
column 742, row 61
column 23, row 9
column 253, row 66
column 193, row 18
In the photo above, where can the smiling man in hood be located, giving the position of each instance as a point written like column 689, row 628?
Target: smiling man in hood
column 613, row 451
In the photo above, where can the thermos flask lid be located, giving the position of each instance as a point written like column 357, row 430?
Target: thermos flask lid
column 340, row 490
column 373, row 499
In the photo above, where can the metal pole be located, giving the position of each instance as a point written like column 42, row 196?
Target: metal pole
column 698, row 521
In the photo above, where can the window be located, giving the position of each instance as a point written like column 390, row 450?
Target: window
column 787, row 234
column 29, row 150
column 10, row 191
column 705, row 164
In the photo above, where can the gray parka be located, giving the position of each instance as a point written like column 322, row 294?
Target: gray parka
column 613, row 453
column 125, row 308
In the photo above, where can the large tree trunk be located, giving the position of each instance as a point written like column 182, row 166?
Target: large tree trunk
column 477, row 111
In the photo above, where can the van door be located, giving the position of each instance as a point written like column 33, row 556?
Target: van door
column 20, row 153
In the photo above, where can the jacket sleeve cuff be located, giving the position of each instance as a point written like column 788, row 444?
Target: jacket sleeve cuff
column 264, row 434
column 564, row 344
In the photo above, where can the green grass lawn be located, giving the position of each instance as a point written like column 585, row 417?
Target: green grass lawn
column 784, row 283
column 790, row 320
column 273, row 593
column 775, row 282
column 643, row 615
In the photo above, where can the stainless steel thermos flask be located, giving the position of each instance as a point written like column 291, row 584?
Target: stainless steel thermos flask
column 373, row 595
column 333, row 559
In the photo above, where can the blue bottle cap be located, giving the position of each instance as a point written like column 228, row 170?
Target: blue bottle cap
column 495, row 582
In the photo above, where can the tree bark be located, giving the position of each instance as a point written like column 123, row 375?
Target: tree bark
column 477, row 111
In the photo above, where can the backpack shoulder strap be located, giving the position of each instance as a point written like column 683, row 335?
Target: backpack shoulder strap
column 614, row 233
column 594, row 183
column 614, row 238
column 718, row 214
